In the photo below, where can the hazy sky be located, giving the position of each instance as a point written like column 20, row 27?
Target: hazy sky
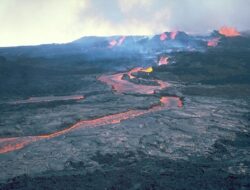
column 26, row 22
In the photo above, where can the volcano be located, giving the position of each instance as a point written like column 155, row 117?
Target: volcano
column 127, row 112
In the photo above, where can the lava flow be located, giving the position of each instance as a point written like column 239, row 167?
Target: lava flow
column 148, row 70
column 213, row 42
column 163, row 36
column 48, row 99
column 121, row 40
column 120, row 86
column 163, row 61
column 123, row 86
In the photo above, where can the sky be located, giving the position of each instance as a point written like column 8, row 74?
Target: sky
column 32, row 22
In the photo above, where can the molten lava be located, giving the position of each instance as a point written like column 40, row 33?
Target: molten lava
column 16, row 143
column 213, row 42
column 148, row 70
column 163, row 36
column 173, row 34
column 171, row 102
column 229, row 31
column 123, row 86
column 163, row 61
column 120, row 86
column 112, row 43
column 121, row 40
column 48, row 99
column 134, row 70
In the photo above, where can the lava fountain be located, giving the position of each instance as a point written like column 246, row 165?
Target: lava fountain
column 229, row 31
column 173, row 35
column 163, row 36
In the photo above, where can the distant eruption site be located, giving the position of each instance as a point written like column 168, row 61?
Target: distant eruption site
column 172, row 35
column 165, row 36
column 229, row 31
column 119, row 85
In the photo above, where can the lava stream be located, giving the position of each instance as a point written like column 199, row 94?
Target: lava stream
column 123, row 86
column 119, row 85
column 163, row 61
column 15, row 143
column 48, row 99
column 173, row 35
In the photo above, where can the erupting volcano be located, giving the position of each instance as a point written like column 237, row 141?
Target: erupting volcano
column 115, row 105
column 125, row 95
column 119, row 85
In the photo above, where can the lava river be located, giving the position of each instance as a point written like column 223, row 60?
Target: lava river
column 119, row 85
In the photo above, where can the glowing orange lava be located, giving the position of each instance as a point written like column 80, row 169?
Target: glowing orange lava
column 147, row 70
column 120, row 86
column 134, row 70
column 163, row 61
column 16, row 143
column 163, row 36
column 229, row 31
column 124, row 86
